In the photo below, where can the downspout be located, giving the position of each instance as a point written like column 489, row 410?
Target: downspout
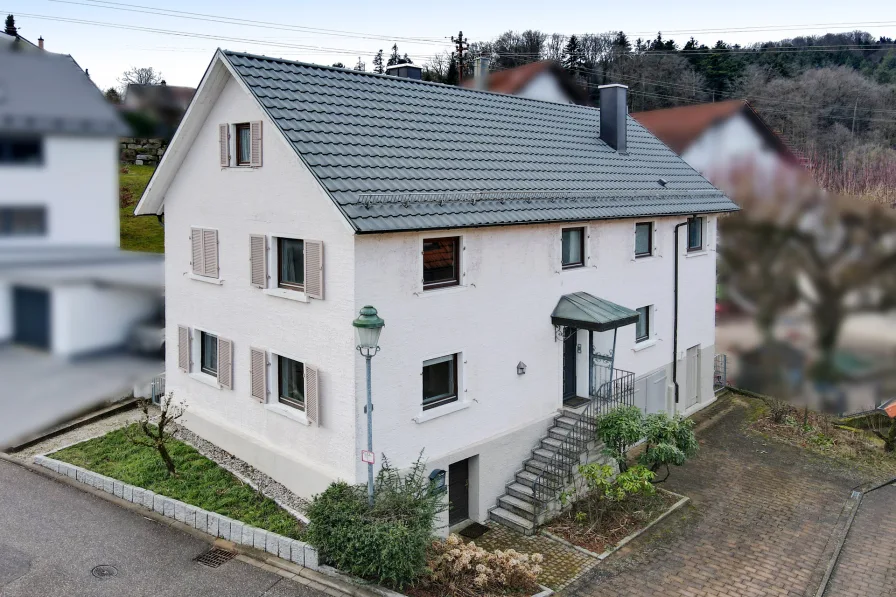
column 675, row 314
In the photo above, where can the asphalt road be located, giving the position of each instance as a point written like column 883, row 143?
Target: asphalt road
column 52, row 535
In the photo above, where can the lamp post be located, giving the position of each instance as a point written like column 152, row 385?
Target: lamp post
column 368, row 326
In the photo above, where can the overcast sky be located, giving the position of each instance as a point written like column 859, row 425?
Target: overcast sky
column 327, row 32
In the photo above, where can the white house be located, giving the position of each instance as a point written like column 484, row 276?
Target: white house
column 65, row 286
column 543, row 80
column 521, row 253
column 720, row 139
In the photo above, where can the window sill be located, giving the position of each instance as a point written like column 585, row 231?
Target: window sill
column 290, row 413
column 205, row 279
column 240, row 168
column 293, row 295
column 639, row 346
column 443, row 290
column 206, row 379
column 699, row 253
column 439, row 411
column 645, row 257
column 572, row 268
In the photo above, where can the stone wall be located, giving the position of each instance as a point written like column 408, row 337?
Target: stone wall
column 142, row 151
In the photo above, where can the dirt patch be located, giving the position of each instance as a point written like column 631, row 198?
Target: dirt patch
column 615, row 525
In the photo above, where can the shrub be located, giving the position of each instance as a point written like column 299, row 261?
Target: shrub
column 670, row 440
column 469, row 570
column 387, row 543
column 778, row 410
column 619, row 429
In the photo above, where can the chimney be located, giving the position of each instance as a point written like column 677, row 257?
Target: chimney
column 40, row 42
column 480, row 72
column 407, row 71
column 613, row 115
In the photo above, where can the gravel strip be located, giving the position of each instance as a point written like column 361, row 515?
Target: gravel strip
column 78, row 435
column 246, row 473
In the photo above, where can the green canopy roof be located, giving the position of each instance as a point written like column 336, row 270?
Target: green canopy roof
column 581, row 310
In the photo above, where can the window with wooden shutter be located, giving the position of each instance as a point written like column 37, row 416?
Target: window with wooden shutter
column 255, row 143
column 312, row 394
column 196, row 241
column 183, row 348
column 224, row 144
column 314, row 269
column 258, row 375
column 225, row 363
column 204, row 243
column 258, row 271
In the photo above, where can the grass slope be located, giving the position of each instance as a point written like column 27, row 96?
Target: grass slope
column 143, row 233
column 199, row 481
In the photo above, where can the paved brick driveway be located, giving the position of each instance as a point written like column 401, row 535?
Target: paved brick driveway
column 760, row 518
column 867, row 564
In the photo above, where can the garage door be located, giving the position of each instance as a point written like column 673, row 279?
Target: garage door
column 31, row 317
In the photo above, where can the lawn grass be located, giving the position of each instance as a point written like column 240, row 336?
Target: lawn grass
column 198, row 481
column 143, row 233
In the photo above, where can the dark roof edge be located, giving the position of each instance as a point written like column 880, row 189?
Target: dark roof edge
column 733, row 208
column 404, row 79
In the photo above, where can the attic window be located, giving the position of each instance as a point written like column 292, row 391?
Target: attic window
column 243, row 145
column 662, row 182
column 441, row 261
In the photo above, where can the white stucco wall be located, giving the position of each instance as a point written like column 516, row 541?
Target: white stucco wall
column 731, row 144
column 280, row 198
column 500, row 315
column 78, row 185
column 545, row 87
column 85, row 318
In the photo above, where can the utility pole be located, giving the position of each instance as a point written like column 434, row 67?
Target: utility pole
column 460, row 43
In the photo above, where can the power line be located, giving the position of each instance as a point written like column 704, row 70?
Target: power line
column 303, row 47
column 181, row 14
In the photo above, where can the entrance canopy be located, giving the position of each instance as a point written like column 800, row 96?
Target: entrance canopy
column 584, row 311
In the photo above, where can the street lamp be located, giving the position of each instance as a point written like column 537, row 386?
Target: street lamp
column 368, row 326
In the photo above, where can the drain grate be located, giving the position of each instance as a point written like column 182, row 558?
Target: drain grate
column 104, row 571
column 215, row 557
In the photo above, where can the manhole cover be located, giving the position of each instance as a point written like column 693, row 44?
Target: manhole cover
column 215, row 557
column 104, row 571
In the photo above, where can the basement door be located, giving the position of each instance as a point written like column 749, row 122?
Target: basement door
column 31, row 317
column 692, row 370
column 458, row 492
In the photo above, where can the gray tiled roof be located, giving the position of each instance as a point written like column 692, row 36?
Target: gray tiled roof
column 383, row 146
column 44, row 93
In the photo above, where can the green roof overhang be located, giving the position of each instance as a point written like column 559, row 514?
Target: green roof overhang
column 584, row 311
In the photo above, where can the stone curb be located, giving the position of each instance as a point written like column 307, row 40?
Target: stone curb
column 211, row 523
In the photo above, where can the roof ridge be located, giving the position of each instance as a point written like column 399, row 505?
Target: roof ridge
column 403, row 79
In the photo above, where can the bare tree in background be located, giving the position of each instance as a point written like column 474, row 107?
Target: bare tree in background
column 157, row 435
column 135, row 75
column 837, row 254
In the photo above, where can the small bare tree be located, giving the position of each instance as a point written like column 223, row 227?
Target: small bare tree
column 157, row 435
column 885, row 428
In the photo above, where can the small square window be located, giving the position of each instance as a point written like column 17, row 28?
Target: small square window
column 208, row 358
column 644, row 239
column 243, row 145
column 291, row 263
column 21, row 150
column 642, row 328
column 439, row 381
column 441, row 262
column 23, row 221
column 573, row 247
column 695, row 234
column 291, row 383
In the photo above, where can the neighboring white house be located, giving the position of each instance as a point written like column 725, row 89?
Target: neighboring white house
column 720, row 139
column 65, row 286
column 496, row 236
column 543, row 80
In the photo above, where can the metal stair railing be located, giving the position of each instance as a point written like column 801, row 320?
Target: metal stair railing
column 558, row 472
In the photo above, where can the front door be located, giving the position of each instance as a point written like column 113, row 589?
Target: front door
column 31, row 314
column 569, row 365
column 458, row 492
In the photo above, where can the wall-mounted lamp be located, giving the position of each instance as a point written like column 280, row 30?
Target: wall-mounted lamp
column 521, row 368
column 437, row 480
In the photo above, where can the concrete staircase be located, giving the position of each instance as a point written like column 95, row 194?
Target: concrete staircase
column 519, row 508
